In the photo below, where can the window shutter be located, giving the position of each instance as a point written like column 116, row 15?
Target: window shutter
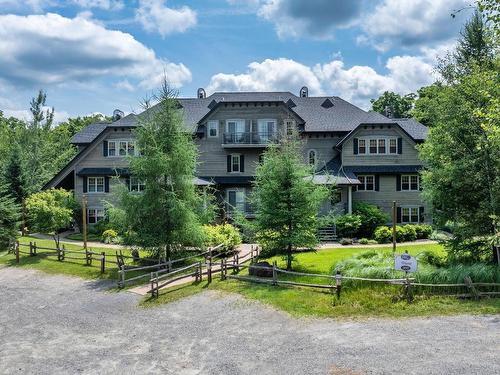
column 398, row 214
column 421, row 214
column 398, row 182
column 242, row 163
column 85, row 184
column 229, row 163
column 105, row 148
column 355, row 146
column 377, row 182
column 400, row 145
column 106, row 184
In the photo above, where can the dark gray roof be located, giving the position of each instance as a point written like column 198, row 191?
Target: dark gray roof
column 342, row 116
column 89, row 133
column 229, row 180
column 103, row 172
column 414, row 128
column 383, row 169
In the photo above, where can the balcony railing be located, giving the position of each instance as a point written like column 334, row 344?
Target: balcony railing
column 249, row 138
column 243, row 207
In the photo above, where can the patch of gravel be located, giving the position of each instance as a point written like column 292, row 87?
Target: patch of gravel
column 63, row 325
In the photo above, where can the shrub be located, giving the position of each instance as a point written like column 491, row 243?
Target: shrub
column 109, row 236
column 363, row 241
column 372, row 242
column 383, row 234
column 423, row 231
column 346, row 241
column 409, row 232
column 441, row 236
column 371, row 217
column 433, row 259
column 348, row 225
column 225, row 234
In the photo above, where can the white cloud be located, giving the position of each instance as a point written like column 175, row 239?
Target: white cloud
column 155, row 16
column 411, row 22
column 102, row 4
column 52, row 49
column 24, row 114
column 357, row 84
column 270, row 75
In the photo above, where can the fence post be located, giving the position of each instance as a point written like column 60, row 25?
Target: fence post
column 473, row 291
column 222, row 262
column 275, row 274
column 58, row 253
column 169, row 265
column 408, row 291
column 34, row 248
column 338, row 283
column 31, row 249
column 251, row 254
column 238, row 262
column 121, row 271
column 16, row 249
column 209, row 268
column 63, row 254
column 201, row 270
column 103, row 262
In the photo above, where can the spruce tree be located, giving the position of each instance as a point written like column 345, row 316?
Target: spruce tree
column 10, row 213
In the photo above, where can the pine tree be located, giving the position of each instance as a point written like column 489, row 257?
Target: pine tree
column 10, row 213
column 286, row 201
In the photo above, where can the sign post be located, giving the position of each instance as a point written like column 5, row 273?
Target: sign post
column 406, row 263
column 394, row 219
column 84, row 220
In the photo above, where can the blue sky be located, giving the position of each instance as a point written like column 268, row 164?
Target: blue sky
column 98, row 55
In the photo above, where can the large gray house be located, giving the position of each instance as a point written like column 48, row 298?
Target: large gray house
column 368, row 156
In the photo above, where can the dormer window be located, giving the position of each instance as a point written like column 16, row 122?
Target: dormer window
column 377, row 146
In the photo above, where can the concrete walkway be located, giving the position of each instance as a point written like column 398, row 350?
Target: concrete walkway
column 329, row 245
column 77, row 242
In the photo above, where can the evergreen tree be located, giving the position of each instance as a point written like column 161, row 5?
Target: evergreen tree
column 13, row 176
column 164, row 216
column 286, row 201
column 10, row 213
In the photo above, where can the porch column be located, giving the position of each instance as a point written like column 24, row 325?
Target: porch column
column 349, row 199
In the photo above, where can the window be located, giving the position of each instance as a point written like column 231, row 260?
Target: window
column 136, row 185
column 213, row 129
column 362, row 146
column 111, row 148
column 123, row 148
column 311, row 157
column 235, row 126
column 410, row 215
column 393, row 146
column 95, row 184
column 367, row 183
column 95, row 215
column 235, row 163
column 266, row 129
column 289, row 126
column 378, row 146
column 410, row 182
column 236, row 200
column 381, row 146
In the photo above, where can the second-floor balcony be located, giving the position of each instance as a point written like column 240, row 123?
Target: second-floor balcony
column 248, row 139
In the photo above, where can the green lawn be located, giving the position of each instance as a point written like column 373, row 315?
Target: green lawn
column 79, row 237
column 382, row 301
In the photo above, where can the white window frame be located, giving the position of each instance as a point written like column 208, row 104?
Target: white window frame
column 95, row 184
column 213, row 124
column 312, row 150
column 96, row 211
column 363, row 185
column 290, row 127
column 387, row 141
column 117, row 143
column 233, row 164
column 138, row 184
column 240, row 204
column 240, row 123
column 410, row 208
column 410, row 176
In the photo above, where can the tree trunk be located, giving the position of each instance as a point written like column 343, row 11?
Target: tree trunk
column 289, row 257
column 56, row 240
column 169, row 252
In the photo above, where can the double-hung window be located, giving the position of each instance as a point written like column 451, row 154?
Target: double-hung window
column 367, row 183
column 95, row 215
column 362, row 146
column 136, row 185
column 393, row 146
column 213, row 128
column 95, row 184
column 410, row 182
column 410, row 214
column 377, row 146
column 121, row 148
column 290, row 127
column 235, row 163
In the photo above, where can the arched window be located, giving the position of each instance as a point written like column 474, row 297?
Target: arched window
column 311, row 157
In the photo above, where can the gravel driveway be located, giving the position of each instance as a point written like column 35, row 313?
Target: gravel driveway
column 62, row 325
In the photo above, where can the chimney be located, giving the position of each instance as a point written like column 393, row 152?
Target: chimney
column 387, row 111
column 304, row 92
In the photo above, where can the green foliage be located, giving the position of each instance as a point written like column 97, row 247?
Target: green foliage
column 165, row 216
column 226, row 234
column 363, row 241
column 50, row 211
column 286, row 202
column 383, row 234
column 348, row 225
column 10, row 213
column 371, row 217
column 399, row 106
column 423, row 231
column 109, row 236
column 346, row 241
column 427, row 105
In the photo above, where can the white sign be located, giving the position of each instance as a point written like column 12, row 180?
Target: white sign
column 405, row 262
